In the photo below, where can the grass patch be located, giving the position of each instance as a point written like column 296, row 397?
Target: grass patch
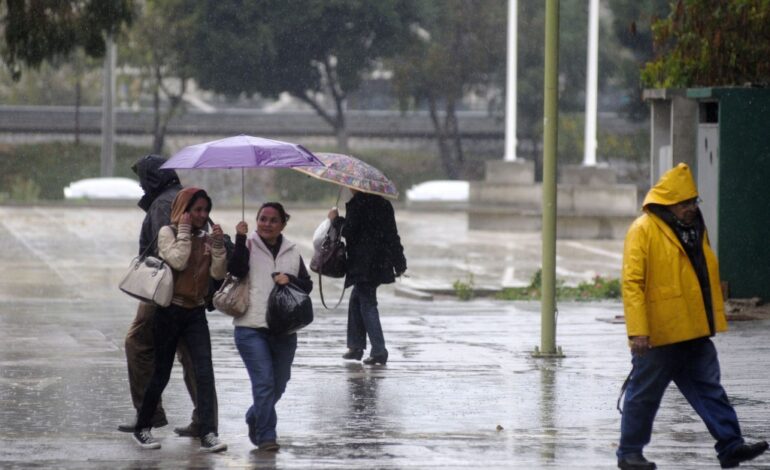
column 41, row 171
column 599, row 288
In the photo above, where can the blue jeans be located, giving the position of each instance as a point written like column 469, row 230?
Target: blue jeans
column 694, row 368
column 268, row 360
column 363, row 318
column 171, row 324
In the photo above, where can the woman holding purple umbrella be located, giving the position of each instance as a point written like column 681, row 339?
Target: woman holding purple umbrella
column 267, row 258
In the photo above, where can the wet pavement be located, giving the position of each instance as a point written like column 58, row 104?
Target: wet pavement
column 460, row 389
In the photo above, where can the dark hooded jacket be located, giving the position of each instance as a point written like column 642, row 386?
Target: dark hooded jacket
column 374, row 251
column 160, row 188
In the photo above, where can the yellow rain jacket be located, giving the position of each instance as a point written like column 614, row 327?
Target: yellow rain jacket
column 661, row 294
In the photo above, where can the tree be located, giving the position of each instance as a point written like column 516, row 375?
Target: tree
column 461, row 44
column 35, row 31
column 158, row 44
column 313, row 49
column 632, row 27
column 711, row 43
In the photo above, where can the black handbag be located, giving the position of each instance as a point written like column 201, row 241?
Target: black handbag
column 289, row 309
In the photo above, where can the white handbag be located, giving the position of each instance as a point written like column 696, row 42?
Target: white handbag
column 149, row 279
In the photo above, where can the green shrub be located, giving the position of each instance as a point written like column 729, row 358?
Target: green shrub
column 598, row 288
column 23, row 189
column 464, row 290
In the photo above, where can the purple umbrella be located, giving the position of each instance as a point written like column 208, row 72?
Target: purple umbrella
column 242, row 151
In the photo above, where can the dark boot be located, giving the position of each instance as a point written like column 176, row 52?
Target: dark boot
column 378, row 359
column 636, row 462
column 743, row 453
column 354, row 354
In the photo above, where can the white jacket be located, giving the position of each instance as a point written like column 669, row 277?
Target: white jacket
column 261, row 266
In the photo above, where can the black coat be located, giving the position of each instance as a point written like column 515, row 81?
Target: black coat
column 374, row 251
column 160, row 188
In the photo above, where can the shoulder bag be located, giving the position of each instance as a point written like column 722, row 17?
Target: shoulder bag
column 330, row 258
column 149, row 279
column 232, row 298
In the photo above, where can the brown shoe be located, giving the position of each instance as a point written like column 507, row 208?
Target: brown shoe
column 158, row 421
column 269, row 446
column 191, row 430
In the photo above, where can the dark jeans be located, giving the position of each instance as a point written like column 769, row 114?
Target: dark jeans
column 694, row 368
column 172, row 324
column 268, row 360
column 140, row 358
column 364, row 318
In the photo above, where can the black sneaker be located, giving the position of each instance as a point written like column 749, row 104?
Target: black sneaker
column 145, row 440
column 743, row 453
column 211, row 443
column 635, row 462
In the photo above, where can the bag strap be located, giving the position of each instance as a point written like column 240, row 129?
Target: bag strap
column 321, row 290
column 150, row 245
column 623, row 390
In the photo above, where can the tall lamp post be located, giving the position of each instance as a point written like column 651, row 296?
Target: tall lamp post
column 550, row 117
column 589, row 148
column 510, row 82
column 108, row 110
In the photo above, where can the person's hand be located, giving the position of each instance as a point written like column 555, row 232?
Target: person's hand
column 217, row 233
column 334, row 213
column 281, row 279
column 185, row 219
column 242, row 228
column 640, row 345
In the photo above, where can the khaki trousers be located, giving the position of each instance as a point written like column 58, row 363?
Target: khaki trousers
column 140, row 356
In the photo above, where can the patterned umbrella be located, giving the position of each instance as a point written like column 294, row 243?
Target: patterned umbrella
column 350, row 172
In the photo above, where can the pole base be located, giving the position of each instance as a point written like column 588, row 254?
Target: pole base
column 558, row 354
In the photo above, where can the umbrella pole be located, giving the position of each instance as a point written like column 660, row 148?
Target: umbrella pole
column 243, row 196
column 339, row 195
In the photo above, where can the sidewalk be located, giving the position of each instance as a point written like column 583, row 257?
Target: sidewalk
column 460, row 389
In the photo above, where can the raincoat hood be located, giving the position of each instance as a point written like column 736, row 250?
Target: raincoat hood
column 182, row 202
column 152, row 179
column 676, row 185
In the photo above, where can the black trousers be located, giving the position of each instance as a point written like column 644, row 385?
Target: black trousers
column 171, row 324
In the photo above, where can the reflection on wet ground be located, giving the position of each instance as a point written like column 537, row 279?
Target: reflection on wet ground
column 460, row 389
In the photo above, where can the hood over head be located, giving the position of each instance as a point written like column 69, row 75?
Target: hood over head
column 152, row 179
column 184, row 199
column 676, row 185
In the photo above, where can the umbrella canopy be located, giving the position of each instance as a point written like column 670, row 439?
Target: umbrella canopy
column 350, row 172
column 242, row 151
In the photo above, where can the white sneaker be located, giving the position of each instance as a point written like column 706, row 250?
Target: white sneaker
column 145, row 440
column 211, row 443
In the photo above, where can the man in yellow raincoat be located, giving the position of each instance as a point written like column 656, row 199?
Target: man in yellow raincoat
column 673, row 305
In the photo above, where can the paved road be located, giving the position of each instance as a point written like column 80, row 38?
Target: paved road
column 459, row 391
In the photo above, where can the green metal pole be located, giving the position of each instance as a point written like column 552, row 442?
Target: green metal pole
column 550, row 137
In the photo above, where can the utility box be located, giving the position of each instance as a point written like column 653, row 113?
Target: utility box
column 730, row 158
